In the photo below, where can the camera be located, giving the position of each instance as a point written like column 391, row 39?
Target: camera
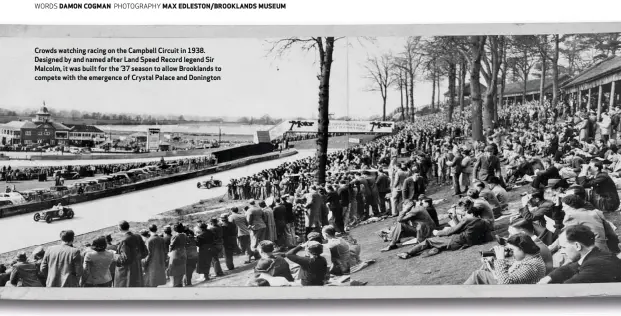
column 492, row 253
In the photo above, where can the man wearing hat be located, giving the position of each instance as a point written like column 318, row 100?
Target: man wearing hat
column 254, row 217
column 604, row 196
column 229, row 234
column 314, row 268
column 550, row 172
column 535, row 209
column 25, row 272
column 487, row 165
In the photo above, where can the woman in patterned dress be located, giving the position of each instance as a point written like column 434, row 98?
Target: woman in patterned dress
column 300, row 219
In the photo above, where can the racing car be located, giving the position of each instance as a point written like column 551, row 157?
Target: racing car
column 58, row 211
column 209, row 183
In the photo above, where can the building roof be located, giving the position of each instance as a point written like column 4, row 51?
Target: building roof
column 587, row 78
column 20, row 124
column 532, row 86
column 57, row 126
column 83, row 128
column 466, row 90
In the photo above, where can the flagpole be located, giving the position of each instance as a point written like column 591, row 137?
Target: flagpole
column 347, row 83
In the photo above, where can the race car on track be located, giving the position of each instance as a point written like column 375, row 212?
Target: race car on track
column 57, row 211
column 209, row 183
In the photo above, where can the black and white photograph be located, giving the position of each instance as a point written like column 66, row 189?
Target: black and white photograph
column 305, row 162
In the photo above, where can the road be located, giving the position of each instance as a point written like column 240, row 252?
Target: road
column 22, row 231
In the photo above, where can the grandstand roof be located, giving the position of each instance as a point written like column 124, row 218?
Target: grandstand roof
column 606, row 71
column 532, row 86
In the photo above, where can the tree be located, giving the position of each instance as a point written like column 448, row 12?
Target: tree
column 378, row 72
column 324, row 46
column 572, row 50
column 549, row 51
column 605, row 44
column 463, row 70
column 492, row 60
column 442, row 58
column 411, row 60
column 524, row 51
column 472, row 51
column 180, row 118
column 398, row 78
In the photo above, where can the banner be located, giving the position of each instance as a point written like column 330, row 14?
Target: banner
column 310, row 126
column 153, row 138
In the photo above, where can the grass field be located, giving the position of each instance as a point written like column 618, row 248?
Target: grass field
column 448, row 267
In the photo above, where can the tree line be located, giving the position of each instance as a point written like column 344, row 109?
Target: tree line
column 494, row 60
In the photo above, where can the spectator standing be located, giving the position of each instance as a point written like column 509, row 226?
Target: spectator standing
column 178, row 256
column 155, row 261
column 63, row 263
column 131, row 251
column 243, row 232
column 97, row 265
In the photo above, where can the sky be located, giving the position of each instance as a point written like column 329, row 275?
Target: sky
column 254, row 82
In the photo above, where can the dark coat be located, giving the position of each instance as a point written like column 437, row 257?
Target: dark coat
column 205, row 242
column 605, row 196
column 597, row 267
column 131, row 251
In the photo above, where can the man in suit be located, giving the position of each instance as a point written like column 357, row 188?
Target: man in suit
column 589, row 264
column 383, row 187
column 63, row 263
column 412, row 188
column 315, row 207
column 155, row 261
column 487, row 165
column 254, row 217
column 396, row 197
column 343, row 193
column 542, row 177
column 332, row 198
column 456, row 167
column 131, row 251
column 416, row 223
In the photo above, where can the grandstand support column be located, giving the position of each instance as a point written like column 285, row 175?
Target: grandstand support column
column 612, row 95
column 588, row 107
column 579, row 103
column 599, row 102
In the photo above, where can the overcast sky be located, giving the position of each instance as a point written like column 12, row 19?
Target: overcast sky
column 254, row 83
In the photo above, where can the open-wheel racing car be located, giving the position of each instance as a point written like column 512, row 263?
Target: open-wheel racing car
column 211, row 183
column 54, row 212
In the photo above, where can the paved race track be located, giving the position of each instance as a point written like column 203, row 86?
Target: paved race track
column 22, row 231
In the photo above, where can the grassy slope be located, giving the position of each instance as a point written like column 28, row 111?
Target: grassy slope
column 449, row 267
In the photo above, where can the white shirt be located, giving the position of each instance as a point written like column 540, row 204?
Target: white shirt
column 582, row 258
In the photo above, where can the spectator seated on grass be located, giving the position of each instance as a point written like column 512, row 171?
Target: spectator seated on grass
column 271, row 265
column 471, row 230
column 588, row 263
column 416, row 222
column 4, row 276
column 339, row 251
column 517, row 262
column 522, row 226
column 314, row 268
column 536, row 209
